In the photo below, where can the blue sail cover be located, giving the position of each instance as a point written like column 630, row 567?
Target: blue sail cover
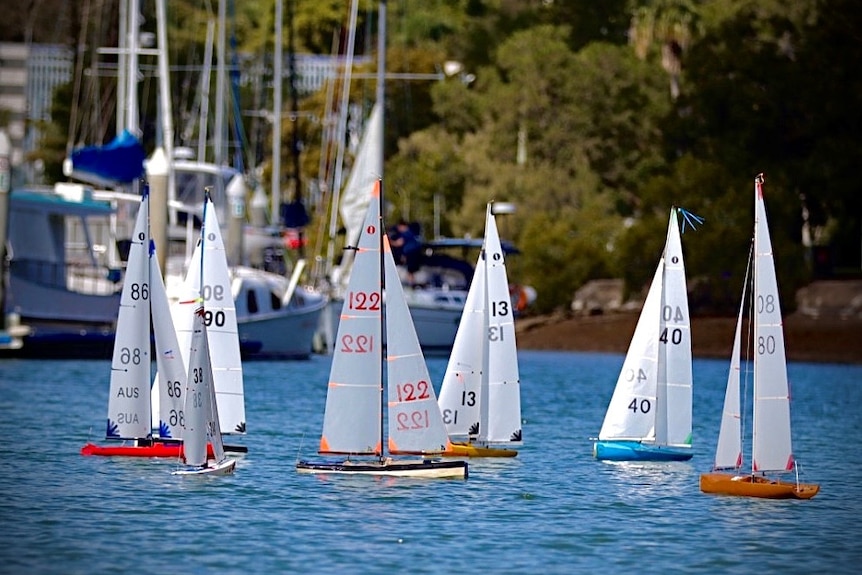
column 119, row 162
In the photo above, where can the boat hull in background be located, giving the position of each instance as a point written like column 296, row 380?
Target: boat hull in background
column 476, row 450
column 280, row 336
column 157, row 449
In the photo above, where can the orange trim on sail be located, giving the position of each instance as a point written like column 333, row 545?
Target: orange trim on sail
column 324, row 445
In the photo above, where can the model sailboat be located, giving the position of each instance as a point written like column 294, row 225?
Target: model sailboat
column 480, row 396
column 353, row 423
column 214, row 283
column 143, row 297
column 771, row 451
column 649, row 416
column 201, row 421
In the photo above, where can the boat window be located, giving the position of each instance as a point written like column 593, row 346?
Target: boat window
column 251, row 301
column 275, row 300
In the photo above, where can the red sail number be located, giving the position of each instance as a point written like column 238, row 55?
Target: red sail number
column 410, row 392
column 364, row 301
column 357, row 343
column 413, row 420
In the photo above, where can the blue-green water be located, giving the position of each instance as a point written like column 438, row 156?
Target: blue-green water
column 553, row 509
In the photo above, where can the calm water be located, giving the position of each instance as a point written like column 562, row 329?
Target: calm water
column 553, row 509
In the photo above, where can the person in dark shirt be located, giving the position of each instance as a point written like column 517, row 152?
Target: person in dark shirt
column 406, row 248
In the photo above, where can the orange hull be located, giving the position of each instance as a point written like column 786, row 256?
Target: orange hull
column 755, row 486
column 470, row 450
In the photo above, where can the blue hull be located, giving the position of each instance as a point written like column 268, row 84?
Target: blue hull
column 637, row 451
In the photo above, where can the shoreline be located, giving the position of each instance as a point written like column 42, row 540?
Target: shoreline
column 807, row 339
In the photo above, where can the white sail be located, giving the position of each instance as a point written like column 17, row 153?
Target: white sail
column 673, row 408
column 352, row 421
column 415, row 423
column 170, row 381
column 504, row 394
column 213, row 429
column 129, row 399
column 197, row 403
column 182, row 316
column 222, row 329
column 728, row 453
column 631, row 412
column 367, row 169
column 772, row 449
column 200, row 410
column 461, row 389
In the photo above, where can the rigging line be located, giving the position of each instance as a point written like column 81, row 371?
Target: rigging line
column 690, row 219
column 79, row 75
column 749, row 367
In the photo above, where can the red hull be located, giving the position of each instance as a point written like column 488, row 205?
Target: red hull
column 155, row 450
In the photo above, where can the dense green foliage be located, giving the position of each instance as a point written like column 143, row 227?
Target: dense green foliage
column 594, row 118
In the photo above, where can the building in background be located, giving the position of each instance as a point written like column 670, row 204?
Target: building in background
column 28, row 76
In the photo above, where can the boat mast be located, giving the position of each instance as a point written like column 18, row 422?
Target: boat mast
column 276, row 116
column 484, row 391
column 381, row 75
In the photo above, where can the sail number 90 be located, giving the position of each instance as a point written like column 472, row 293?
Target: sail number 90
column 215, row 292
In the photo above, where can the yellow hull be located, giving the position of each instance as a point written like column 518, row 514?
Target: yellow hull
column 755, row 486
column 470, row 450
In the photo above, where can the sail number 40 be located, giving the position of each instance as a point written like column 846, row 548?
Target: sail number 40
column 640, row 406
